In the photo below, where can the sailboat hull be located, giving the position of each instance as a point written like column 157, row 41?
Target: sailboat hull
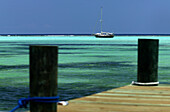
column 103, row 36
column 98, row 36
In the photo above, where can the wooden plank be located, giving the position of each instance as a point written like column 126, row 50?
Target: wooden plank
column 124, row 99
column 78, row 107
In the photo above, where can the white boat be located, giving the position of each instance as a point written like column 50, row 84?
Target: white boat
column 103, row 34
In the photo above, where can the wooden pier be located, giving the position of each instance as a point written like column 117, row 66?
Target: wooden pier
column 129, row 98
column 124, row 99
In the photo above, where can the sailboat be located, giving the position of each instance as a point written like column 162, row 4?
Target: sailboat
column 103, row 34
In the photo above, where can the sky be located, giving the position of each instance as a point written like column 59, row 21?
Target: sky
column 83, row 16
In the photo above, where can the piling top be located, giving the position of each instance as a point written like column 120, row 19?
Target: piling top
column 149, row 39
column 45, row 46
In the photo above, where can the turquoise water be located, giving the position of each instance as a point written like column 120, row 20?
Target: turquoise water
column 87, row 65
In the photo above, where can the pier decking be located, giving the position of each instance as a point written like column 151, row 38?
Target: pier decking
column 124, row 99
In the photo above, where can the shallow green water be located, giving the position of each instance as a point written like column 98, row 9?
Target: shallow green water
column 86, row 65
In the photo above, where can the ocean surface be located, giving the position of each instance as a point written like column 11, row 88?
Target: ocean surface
column 87, row 65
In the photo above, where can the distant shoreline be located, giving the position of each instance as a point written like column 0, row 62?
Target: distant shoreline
column 46, row 35
column 82, row 35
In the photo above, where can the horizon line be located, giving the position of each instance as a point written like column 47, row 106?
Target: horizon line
column 79, row 34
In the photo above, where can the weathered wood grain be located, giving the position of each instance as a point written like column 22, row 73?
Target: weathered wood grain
column 124, row 99
column 43, row 76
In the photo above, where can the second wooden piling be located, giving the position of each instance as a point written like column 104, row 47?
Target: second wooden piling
column 148, row 61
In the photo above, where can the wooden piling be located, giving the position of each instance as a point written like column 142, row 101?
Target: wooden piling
column 148, row 61
column 43, row 76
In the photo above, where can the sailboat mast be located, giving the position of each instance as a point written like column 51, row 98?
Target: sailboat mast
column 101, row 19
